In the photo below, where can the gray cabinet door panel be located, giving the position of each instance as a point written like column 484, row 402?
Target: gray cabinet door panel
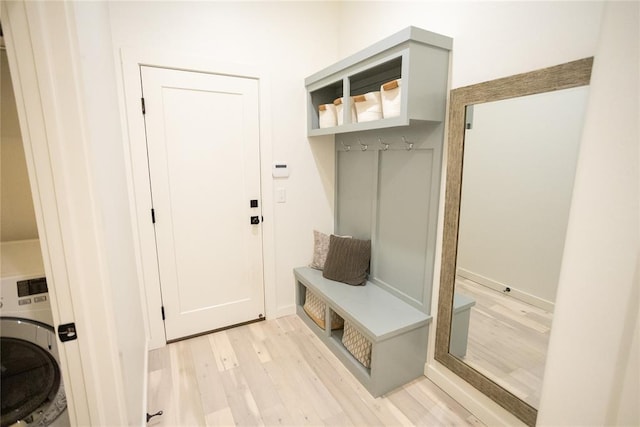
column 355, row 193
column 388, row 186
column 404, row 198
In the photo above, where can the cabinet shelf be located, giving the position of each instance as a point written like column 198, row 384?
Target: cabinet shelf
column 419, row 58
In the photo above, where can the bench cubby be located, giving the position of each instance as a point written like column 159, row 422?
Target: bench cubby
column 397, row 331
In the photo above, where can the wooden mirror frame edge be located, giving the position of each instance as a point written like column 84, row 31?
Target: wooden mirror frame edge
column 564, row 76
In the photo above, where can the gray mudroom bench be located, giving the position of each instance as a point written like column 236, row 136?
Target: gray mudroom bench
column 387, row 190
column 396, row 330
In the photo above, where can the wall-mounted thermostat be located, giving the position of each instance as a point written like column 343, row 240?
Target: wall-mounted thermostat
column 280, row 170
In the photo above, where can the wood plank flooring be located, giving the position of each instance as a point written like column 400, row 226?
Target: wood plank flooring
column 508, row 340
column 277, row 372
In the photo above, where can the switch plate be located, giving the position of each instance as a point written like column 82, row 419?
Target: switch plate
column 281, row 195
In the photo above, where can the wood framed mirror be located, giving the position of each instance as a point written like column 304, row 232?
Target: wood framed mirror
column 565, row 76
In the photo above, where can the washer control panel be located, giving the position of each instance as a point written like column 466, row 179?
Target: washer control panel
column 25, row 297
column 23, row 286
column 32, row 287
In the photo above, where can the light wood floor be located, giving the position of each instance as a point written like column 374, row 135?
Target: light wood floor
column 508, row 340
column 277, row 372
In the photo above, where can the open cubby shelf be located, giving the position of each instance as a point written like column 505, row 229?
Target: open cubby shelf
column 336, row 335
column 353, row 362
column 419, row 58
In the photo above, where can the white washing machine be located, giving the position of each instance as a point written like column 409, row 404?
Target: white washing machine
column 32, row 389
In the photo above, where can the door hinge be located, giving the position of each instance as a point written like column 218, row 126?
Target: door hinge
column 162, row 310
column 144, row 110
column 153, row 216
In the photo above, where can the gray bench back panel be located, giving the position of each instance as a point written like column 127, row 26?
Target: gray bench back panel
column 402, row 225
column 391, row 197
column 355, row 192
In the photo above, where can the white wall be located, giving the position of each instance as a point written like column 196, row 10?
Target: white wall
column 287, row 41
column 491, row 39
column 17, row 217
column 591, row 377
column 519, row 165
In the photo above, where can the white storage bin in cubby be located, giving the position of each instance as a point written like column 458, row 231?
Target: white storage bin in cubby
column 327, row 115
column 340, row 111
column 368, row 107
column 391, row 98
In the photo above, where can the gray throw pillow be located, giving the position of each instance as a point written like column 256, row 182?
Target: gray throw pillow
column 347, row 260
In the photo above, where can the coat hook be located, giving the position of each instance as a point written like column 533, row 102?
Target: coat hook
column 364, row 146
column 409, row 144
column 385, row 146
column 346, row 147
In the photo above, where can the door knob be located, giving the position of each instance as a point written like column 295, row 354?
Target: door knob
column 67, row 332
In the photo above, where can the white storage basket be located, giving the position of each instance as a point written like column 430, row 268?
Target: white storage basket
column 327, row 116
column 391, row 95
column 368, row 107
column 340, row 111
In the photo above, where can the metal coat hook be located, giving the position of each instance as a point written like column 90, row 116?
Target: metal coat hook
column 364, row 146
column 409, row 144
column 346, row 147
column 385, row 146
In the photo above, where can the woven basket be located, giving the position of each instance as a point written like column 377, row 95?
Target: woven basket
column 357, row 344
column 315, row 309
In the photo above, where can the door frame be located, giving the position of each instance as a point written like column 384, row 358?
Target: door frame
column 45, row 70
column 138, row 178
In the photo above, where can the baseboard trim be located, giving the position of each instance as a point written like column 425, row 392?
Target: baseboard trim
column 145, row 385
column 287, row 310
column 516, row 293
column 485, row 409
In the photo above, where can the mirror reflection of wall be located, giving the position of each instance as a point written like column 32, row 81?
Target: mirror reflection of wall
column 520, row 156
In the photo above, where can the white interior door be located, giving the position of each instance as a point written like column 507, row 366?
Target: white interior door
column 204, row 166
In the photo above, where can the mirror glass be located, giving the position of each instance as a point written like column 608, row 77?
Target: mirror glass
column 519, row 164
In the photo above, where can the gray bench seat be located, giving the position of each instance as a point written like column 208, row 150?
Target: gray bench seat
column 396, row 330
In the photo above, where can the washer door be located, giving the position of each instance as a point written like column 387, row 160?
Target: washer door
column 31, row 389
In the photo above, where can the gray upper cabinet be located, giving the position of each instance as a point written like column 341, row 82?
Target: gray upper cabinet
column 419, row 58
